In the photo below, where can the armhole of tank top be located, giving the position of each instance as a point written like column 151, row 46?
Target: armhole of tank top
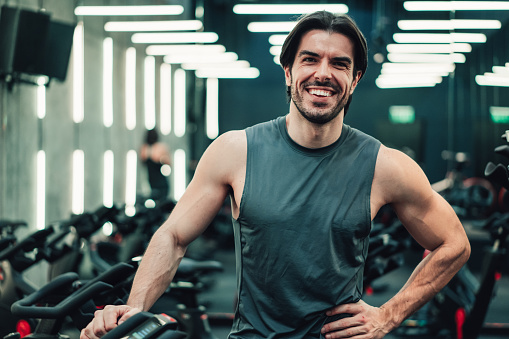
column 372, row 174
column 247, row 177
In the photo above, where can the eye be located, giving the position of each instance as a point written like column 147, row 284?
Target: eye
column 309, row 59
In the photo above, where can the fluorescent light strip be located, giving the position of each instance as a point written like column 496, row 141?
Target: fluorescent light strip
column 174, row 38
column 439, row 37
column 484, row 80
column 241, row 73
column 150, row 92
column 108, row 82
column 500, row 70
column 130, row 183
column 456, row 5
column 448, row 24
column 130, row 88
column 212, row 112
column 78, row 181
column 410, row 78
column 165, row 96
column 428, row 48
column 41, row 190
column 277, row 39
column 78, row 74
column 180, row 102
column 192, row 58
column 417, row 67
column 128, row 10
column 275, row 26
column 180, row 174
column 289, row 9
column 184, row 49
column 275, row 50
column 41, row 101
column 153, row 26
column 108, row 178
column 220, row 65
column 404, row 83
column 428, row 57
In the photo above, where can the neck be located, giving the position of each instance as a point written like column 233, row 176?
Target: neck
column 310, row 135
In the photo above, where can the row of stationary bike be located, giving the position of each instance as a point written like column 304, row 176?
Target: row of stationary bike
column 459, row 310
column 87, row 270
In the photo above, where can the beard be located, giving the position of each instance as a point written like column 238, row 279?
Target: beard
column 318, row 113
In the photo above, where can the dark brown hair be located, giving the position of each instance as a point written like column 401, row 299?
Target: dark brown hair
column 326, row 21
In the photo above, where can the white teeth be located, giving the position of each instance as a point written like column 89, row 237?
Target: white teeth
column 320, row 92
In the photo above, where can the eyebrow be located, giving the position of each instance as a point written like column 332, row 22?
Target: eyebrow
column 336, row 59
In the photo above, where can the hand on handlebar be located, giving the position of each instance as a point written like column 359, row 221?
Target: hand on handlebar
column 364, row 319
column 107, row 319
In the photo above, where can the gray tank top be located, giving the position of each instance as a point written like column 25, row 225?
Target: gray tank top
column 302, row 234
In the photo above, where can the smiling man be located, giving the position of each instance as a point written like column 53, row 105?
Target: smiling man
column 304, row 189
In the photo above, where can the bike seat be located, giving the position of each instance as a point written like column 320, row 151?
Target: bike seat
column 190, row 268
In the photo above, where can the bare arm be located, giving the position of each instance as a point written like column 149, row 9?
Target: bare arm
column 399, row 181
column 192, row 214
column 433, row 224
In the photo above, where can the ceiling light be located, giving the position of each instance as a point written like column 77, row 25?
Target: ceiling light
column 448, row 24
column 425, row 58
column 174, row 38
column 439, row 37
column 221, row 65
column 191, row 58
column 152, row 26
column 237, row 73
column 501, row 70
column 406, row 81
column 277, row 39
column 280, row 26
column 184, row 49
column 455, row 5
column 429, row 48
column 418, row 67
column 484, row 80
column 289, row 8
column 275, row 50
column 128, row 10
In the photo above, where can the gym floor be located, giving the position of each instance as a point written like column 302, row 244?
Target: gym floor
column 220, row 296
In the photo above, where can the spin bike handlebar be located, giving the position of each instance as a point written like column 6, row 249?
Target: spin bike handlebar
column 147, row 325
column 26, row 307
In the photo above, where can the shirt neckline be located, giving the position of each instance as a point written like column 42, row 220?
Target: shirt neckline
column 281, row 122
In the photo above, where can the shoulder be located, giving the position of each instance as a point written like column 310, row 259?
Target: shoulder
column 399, row 178
column 229, row 141
column 224, row 156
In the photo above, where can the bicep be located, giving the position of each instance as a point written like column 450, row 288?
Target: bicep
column 427, row 216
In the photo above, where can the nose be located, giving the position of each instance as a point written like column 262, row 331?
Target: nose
column 323, row 71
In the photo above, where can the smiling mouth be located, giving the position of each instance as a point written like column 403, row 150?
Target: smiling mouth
column 320, row 92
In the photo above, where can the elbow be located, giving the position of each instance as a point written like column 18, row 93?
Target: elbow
column 464, row 251
column 467, row 250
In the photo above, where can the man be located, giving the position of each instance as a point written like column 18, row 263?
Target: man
column 304, row 189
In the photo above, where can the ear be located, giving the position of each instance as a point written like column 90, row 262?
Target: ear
column 355, row 81
column 288, row 75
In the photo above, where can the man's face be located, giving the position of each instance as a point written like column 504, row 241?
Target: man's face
column 321, row 78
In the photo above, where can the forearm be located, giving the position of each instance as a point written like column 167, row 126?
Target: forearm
column 428, row 278
column 156, row 270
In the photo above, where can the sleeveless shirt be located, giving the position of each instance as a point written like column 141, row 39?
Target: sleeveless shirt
column 302, row 234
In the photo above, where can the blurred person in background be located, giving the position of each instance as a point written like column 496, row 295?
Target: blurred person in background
column 155, row 155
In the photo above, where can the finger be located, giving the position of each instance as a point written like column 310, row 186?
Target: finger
column 350, row 308
column 128, row 314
